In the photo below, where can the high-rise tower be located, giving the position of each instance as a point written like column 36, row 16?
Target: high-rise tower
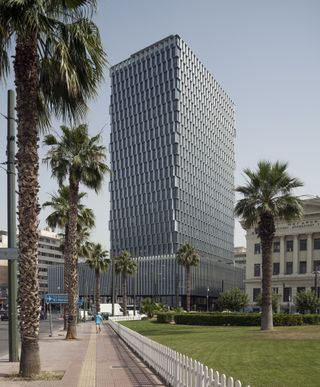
column 172, row 155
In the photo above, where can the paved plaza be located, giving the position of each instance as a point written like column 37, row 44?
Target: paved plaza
column 94, row 360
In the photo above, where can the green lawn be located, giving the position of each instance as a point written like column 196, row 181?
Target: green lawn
column 285, row 357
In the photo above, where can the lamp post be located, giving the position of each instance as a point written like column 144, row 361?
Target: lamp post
column 316, row 288
column 208, row 299
column 113, row 283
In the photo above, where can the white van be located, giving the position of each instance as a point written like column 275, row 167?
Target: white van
column 107, row 308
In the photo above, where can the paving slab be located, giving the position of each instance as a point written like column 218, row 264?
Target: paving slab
column 94, row 360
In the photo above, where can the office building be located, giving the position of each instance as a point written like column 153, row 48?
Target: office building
column 295, row 254
column 49, row 253
column 172, row 161
column 172, row 155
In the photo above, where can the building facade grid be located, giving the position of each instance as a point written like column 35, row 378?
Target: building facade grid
column 172, row 155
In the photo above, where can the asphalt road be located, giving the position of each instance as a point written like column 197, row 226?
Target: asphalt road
column 44, row 331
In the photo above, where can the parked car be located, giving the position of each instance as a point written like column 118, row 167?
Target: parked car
column 4, row 315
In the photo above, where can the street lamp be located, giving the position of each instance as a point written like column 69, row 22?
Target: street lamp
column 208, row 299
column 58, row 289
column 289, row 304
column 316, row 289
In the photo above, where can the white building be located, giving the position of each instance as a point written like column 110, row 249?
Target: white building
column 295, row 253
column 49, row 253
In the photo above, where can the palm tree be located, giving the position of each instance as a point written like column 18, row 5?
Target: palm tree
column 187, row 256
column 98, row 261
column 79, row 157
column 58, row 64
column 59, row 218
column 267, row 197
column 60, row 205
column 125, row 266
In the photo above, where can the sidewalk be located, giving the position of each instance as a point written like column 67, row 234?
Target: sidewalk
column 95, row 360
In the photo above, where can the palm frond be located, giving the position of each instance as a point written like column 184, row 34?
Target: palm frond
column 268, row 190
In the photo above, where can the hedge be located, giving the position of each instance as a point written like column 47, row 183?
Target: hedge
column 235, row 319
column 311, row 319
column 284, row 319
column 165, row 317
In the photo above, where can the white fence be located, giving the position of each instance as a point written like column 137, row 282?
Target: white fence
column 176, row 369
column 125, row 318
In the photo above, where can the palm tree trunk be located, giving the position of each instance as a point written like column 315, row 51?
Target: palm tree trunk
column 188, row 291
column 65, row 278
column 266, row 234
column 125, row 295
column 26, row 81
column 97, row 272
column 72, row 259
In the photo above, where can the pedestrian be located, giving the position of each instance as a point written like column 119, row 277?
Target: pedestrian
column 98, row 322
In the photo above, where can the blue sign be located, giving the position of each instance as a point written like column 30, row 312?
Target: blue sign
column 59, row 298
column 56, row 298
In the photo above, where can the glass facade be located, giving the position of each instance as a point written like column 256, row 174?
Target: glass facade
column 158, row 277
column 172, row 155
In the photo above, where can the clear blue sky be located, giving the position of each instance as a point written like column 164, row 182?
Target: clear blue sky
column 265, row 53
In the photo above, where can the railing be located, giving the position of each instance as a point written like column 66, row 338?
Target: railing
column 176, row 369
column 125, row 318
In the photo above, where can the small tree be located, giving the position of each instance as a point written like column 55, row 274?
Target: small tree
column 233, row 299
column 307, row 301
column 275, row 301
column 149, row 307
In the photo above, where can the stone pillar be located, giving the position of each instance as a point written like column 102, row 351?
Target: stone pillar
column 309, row 254
column 282, row 248
column 295, row 255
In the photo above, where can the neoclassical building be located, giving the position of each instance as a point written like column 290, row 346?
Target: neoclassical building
column 296, row 257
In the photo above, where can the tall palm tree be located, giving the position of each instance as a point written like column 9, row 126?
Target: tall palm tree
column 76, row 156
column 58, row 64
column 187, row 256
column 125, row 266
column 59, row 218
column 98, row 261
column 60, row 205
column 267, row 197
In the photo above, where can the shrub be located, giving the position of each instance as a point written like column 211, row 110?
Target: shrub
column 275, row 301
column 247, row 319
column 233, row 299
column 235, row 319
column 307, row 301
column 284, row 319
column 311, row 319
column 178, row 309
column 149, row 307
column 165, row 317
